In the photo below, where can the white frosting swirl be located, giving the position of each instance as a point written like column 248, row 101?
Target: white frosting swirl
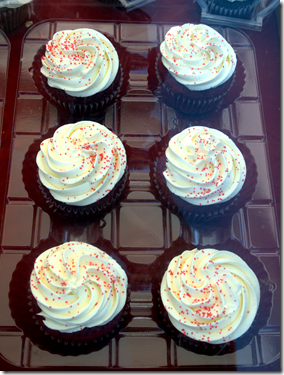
column 204, row 166
column 82, row 62
column 77, row 285
column 210, row 295
column 197, row 56
column 81, row 163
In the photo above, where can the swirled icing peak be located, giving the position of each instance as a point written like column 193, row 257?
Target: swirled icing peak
column 77, row 285
column 82, row 62
column 197, row 56
column 81, row 163
column 204, row 166
column 210, row 295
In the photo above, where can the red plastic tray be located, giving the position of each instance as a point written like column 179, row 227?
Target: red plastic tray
column 140, row 229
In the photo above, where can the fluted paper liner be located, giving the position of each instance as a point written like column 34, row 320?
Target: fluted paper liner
column 237, row 9
column 11, row 18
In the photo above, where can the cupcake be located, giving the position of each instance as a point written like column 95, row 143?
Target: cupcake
column 195, row 68
column 12, row 14
column 210, row 295
column 82, row 169
column 213, row 301
column 70, row 299
column 232, row 8
column 81, row 71
column 77, row 286
column 200, row 173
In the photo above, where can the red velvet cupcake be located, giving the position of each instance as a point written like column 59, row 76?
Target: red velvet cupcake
column 66, row 311
column 211, row 301
column 195, row 68
column 200, row 173
column 77, row 171
column 81, row 71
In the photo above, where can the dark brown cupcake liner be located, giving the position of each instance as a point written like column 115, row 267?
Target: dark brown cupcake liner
column 43, row 198
column 205, row 348
column 189, row 212
column 24, row 311
column 11, row 18
column 194, row 103
column 81, row 108
column 98, row 209
column 235, row 9
column 186, row 101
